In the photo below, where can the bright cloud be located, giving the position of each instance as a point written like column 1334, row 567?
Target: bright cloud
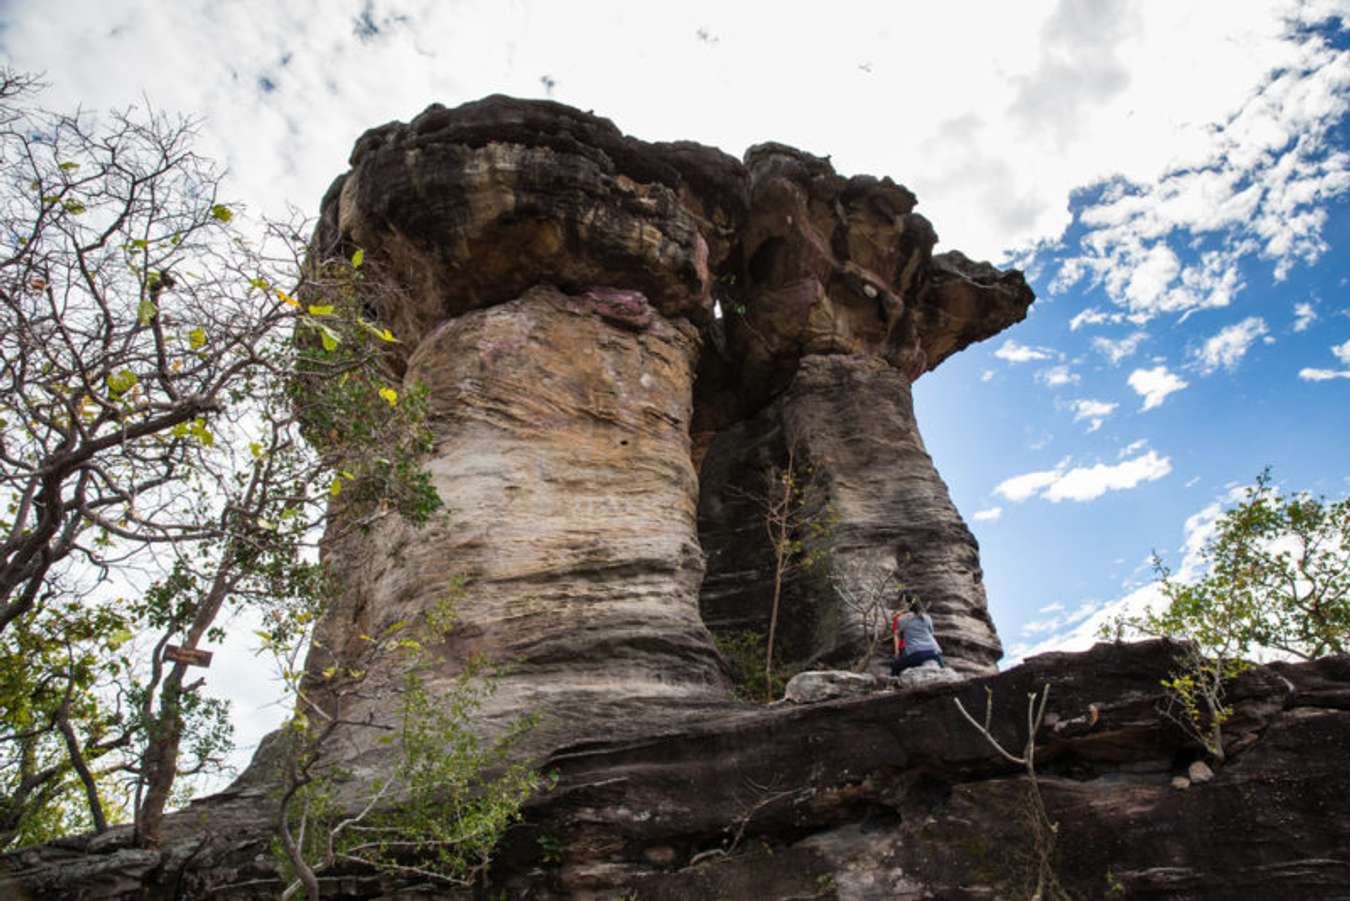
column 1090, row 316
column 1057, row 377
column 1304, row 316
column 1115, row 351
column 1342, row 353
column 1323, row 375
column 1154, row 385
column 1230, row 345
column 1020, row 353
column 1133, row 447
column 1095, row 411
column 990, row 515
column 1255, row 185
column 1084, row 483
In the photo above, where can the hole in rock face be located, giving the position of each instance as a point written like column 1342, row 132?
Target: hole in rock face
column 764, row 262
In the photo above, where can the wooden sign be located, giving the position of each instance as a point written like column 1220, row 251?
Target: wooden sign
column 190, row 656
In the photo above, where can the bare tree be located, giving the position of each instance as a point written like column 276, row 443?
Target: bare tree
column 867, row 595
column 1044, row 831
column 796, row 526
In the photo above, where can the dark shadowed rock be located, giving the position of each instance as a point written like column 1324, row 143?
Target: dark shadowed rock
column 851, row 419
column 892, row 795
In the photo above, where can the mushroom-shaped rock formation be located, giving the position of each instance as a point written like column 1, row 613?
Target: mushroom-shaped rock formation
column 558, row 287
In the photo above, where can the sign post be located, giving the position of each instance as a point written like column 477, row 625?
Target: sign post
column 190, row 656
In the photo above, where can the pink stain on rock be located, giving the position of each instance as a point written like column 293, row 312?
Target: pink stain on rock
column 629, row 309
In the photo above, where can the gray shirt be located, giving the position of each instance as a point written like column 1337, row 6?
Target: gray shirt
column 917, row 629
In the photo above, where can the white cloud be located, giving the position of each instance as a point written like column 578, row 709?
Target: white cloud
column 1021, row 353
column 1154, row 385
column 1342, row 353
column 1227, row 348
column 1304, row 316
column 1115, row 351
column 1051, row 608
column 1057, row 377
column 1090, row 316
column 1095, row 411
column 1133, row 447
column 987, row 375
column 1255, row 182
column 1084, row 483
column 1323, row 375
column 1020, row 488
column 990, row 515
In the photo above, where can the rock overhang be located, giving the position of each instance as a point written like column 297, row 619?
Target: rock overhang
column 471, row 206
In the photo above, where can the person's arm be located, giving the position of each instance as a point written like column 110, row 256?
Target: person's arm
column 895, row 634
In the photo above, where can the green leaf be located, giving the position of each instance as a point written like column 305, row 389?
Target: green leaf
column 315, row 310
column 255, row 449
column 382, row 333
column 358, row 258
column 196, row 338
column 69, row 166
column 328, row 337
column 74, row 207
column 336, row 488
column 221, row 213
column 390, row 395
column 145, row 311
column 118, row 638
column 197, row 429
column 260, row 283
column 121, row 382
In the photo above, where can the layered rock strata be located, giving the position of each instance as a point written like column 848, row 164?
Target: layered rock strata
column 893, row 795
column 835, row 306
column 559, row 289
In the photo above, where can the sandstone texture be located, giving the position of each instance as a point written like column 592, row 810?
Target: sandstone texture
column 618, row 341
column 890, row 795
column 617, row 338
column 814, row 686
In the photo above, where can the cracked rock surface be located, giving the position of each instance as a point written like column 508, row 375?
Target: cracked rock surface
column 889, row 795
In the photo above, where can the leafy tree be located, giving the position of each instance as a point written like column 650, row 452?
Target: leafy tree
column 436, row 814
column 1276, row 577
column 175, row 426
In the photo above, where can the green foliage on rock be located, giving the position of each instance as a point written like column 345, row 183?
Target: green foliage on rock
column 439, row 809
column 1276, row 578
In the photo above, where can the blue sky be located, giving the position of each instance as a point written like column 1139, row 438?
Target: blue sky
column 1174, row 181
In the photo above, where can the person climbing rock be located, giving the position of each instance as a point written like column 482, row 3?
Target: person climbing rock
column 914, row 640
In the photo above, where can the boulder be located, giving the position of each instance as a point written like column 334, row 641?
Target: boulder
column 1199, row 772
column 925, row 674
column 814, row 686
